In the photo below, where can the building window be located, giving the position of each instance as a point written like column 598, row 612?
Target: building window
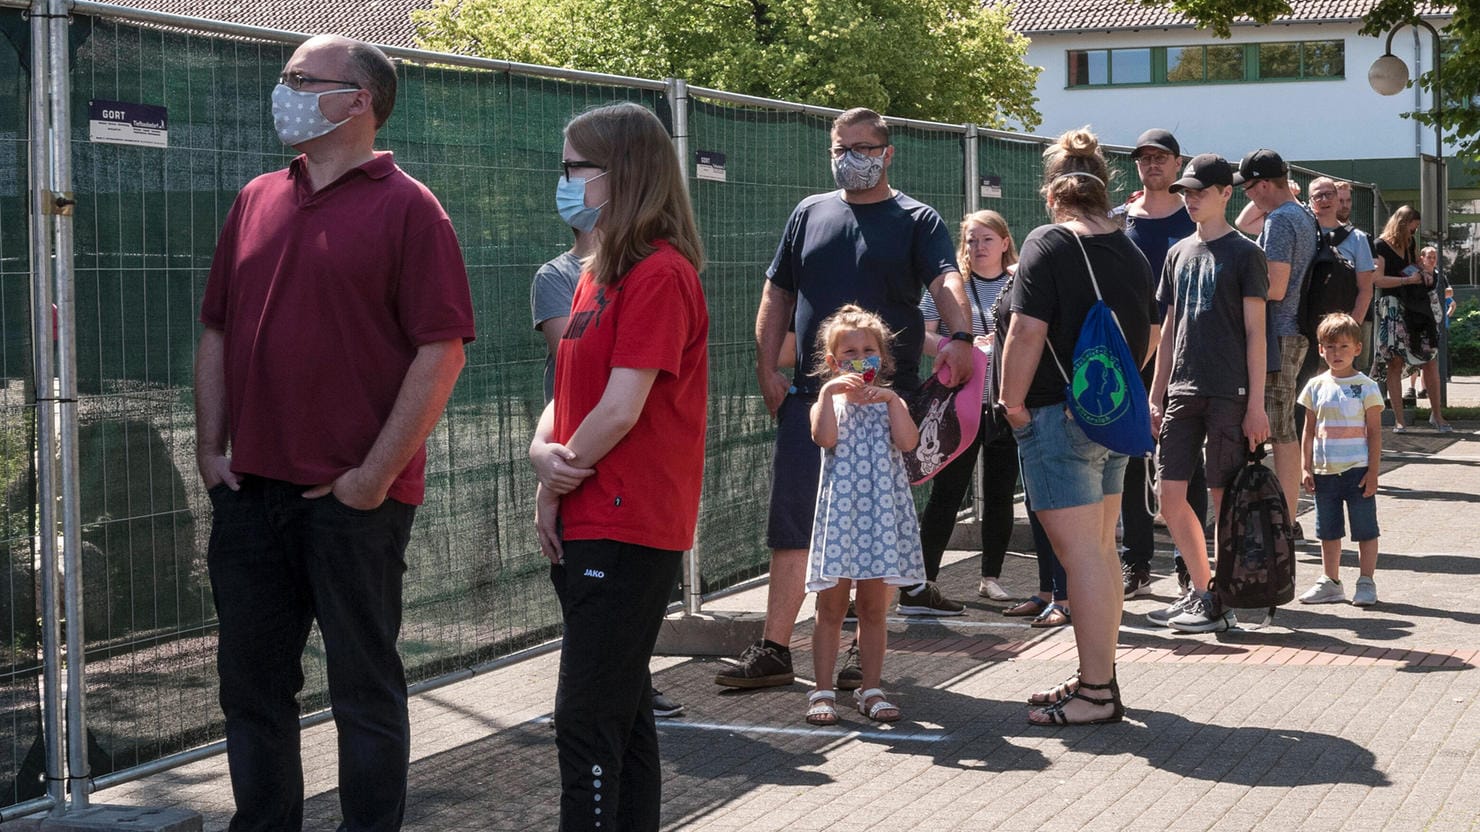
column 1089, row 67
column 1130, row 66
column 1220, row 63
column 1225, row 63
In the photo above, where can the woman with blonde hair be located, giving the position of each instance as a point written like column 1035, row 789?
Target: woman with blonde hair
column 1073, row 483
column 620, row 453
column 1405, row 329
column 988, row 255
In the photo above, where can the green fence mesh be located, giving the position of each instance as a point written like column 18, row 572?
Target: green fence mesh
column 20, row 630
column 488, row 144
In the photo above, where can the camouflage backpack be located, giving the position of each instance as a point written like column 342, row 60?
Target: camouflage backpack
column 1256, row 541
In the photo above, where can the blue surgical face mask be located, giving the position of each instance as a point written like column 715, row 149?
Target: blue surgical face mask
column 570, row 201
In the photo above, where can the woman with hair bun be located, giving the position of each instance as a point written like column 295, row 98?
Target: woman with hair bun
column 1073, row 483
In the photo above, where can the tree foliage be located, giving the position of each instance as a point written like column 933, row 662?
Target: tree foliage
column 944, row 60
column 1461, row 68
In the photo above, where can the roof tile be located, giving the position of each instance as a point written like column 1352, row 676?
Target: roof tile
column 386, row 22
column 1045, row 16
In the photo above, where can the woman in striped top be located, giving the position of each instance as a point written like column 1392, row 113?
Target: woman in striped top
column 986, row 253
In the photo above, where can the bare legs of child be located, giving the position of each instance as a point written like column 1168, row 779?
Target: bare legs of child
column 1331, row 559
column 871, row 602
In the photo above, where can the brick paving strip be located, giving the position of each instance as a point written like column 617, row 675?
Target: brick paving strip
column 1328, row 718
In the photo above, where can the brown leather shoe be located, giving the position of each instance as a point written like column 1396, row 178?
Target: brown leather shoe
column 1033, row 607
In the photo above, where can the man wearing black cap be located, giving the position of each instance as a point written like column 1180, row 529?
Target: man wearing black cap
column 1210, row 373
column 1154, row 220
column 1289, row 242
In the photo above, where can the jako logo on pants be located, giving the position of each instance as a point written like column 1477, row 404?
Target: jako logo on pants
column 595, row 573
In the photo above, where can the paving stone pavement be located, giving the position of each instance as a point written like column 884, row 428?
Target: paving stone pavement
column 1327, row 718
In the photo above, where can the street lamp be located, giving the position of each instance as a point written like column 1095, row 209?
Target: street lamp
column 1388, row 76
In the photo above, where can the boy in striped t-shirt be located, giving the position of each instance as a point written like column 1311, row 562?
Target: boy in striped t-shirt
column 1342, row 447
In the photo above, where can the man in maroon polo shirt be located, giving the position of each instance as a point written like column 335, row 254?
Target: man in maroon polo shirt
column 335, row 317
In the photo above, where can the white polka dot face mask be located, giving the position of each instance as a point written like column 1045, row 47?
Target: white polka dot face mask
column 296, row 114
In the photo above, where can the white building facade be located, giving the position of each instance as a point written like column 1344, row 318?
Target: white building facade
column 1298, row 85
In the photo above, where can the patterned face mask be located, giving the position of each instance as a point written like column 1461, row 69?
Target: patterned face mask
column 867, row 366
column 854, row 171
column 297, row 117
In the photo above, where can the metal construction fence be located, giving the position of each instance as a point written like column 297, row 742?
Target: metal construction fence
column 104, row 522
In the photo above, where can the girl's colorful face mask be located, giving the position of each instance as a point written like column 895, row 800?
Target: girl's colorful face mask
column 868, row 367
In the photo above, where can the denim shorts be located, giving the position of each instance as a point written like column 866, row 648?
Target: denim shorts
column 1334, row 489
column 1063, row 468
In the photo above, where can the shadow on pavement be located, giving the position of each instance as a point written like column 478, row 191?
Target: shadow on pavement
column 1425, row 496
column 1438, row 564
column 1230, row 644
column 1250, row 756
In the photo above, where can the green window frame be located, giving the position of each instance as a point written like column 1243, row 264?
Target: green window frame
column 1216, row 63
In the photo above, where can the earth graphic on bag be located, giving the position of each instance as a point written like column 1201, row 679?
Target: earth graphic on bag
column 1099, row 386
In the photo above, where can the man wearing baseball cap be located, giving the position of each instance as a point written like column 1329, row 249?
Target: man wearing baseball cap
column 1289, row 242
column 1210, row 374
column 1154, row 219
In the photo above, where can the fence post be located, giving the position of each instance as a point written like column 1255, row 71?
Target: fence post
column 973, row 189
column 677, row 92
column 61, row 186
column 43, row 371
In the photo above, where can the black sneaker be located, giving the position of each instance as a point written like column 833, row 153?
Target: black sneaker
column 665, row 707
column 760, row 667
column 1159, row 618
column 850, row 675
column 1137, row 581
column 851, row 616
column 928, row 601
column 1202, row 614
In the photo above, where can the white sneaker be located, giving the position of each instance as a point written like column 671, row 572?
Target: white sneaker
column 989, row 588
column 1327, row 591
column 1366, row 594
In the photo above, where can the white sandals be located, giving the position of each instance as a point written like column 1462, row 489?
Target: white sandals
column 821, row 708
column 880, row 711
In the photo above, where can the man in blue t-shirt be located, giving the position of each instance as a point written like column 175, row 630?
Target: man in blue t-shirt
column 1155, row 219
column 868, row 244
column 1289, row 243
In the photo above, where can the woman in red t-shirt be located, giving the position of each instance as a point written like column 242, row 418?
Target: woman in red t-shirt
column 620, row 455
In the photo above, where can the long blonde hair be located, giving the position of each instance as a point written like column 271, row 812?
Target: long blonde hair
column 1396, row 233
column 649, row 199
column 1076, row 176
column 998, row 225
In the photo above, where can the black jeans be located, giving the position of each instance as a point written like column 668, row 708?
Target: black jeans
column 998, row 484
column 1139, row 539
column 613, row 596
column 278, row 562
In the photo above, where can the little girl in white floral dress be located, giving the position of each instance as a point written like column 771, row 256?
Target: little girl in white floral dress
column 865, row 534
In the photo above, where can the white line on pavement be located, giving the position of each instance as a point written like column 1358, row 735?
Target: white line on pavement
column 887, row 736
